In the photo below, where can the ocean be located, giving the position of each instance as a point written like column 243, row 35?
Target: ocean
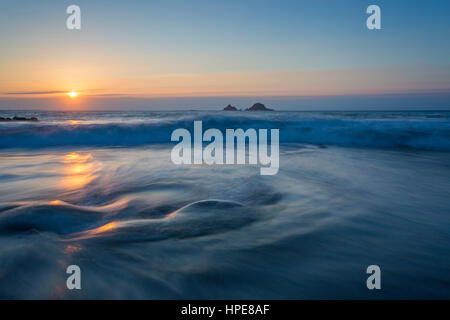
column 99, row 190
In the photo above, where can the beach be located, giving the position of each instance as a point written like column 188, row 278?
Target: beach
column 98, row 190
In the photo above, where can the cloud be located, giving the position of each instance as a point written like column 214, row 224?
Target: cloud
column 34, row 92
column 109, row 95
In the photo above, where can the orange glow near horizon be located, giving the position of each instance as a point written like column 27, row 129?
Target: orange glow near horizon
column 99, row 92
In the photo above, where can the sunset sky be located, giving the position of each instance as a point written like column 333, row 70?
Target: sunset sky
column 187, row 54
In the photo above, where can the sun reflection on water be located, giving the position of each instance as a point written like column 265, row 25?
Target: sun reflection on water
column 80, row 170
column 104, row 228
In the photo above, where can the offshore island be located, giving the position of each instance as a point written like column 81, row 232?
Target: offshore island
column 256, row 107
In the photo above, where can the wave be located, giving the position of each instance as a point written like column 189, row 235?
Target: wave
column 77, row 223
column 416, row 134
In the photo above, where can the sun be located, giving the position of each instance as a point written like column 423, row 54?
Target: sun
column 72, row 94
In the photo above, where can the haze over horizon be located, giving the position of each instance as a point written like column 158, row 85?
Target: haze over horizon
column 172, row 55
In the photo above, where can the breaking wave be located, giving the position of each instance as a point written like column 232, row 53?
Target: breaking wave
column 388, row 133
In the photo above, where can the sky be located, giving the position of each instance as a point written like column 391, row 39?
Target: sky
column 169, row 54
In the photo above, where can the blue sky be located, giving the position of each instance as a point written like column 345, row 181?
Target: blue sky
column 161, row 49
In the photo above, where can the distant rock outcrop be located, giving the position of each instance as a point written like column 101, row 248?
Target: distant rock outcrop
column 230, row 108
column 258, row 107
column 19, row 119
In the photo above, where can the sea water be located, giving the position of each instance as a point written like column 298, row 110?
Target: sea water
column 98, row 190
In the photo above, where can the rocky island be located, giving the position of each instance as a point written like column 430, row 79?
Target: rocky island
column 19, row 119
column 230, row 108
column 256, row 107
